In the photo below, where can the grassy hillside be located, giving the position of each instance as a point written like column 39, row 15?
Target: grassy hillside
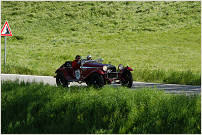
column 160, row 40
column 38, row 108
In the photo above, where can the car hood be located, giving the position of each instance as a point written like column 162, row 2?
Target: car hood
column 95, row 65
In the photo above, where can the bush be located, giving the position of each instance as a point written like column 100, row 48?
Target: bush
column 38, row 108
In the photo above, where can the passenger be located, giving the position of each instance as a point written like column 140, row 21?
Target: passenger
column 89, row 57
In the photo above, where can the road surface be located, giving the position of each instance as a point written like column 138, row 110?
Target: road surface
column 169, row 88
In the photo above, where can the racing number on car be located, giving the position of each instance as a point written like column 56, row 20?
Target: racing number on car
column 77, row 74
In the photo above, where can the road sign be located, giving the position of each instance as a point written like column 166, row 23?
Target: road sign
column 6, row 31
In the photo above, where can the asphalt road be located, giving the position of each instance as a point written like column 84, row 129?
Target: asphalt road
column 169, row 88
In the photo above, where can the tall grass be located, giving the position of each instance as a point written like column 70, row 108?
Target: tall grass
column 164, row 36
column 170, row 76
column 38, row 108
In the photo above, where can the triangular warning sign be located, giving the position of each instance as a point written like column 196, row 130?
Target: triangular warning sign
column 5, row 31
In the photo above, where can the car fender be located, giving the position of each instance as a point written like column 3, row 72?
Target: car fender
column 100, row 72
column 125, row 70
column 128, row 68
column 62, row 70
column 94, row 71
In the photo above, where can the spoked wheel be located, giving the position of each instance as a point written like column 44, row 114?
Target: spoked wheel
column 95, row 80
column 60, row 80
column 127, row 79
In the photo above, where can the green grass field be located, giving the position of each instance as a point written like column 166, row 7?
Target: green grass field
column 160, row 40
column 37, row 108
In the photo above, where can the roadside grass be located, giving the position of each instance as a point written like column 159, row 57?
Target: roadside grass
column 169, row 77
column 152, row 37
column 37, row 108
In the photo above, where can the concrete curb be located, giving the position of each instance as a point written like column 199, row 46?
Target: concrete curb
column 29, row 78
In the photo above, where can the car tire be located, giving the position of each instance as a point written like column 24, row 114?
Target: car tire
column 60, row 80
column 127, row 79
column 96, row 80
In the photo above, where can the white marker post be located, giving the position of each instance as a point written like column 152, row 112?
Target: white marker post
column 5, row 32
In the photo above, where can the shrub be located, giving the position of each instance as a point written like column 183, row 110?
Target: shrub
column 38, row 108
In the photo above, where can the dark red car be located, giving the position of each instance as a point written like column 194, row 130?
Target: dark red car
column 94, row 73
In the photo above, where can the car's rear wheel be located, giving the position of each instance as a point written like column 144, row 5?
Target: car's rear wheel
column 127, row 79
column 60, row 80
column 95, row 80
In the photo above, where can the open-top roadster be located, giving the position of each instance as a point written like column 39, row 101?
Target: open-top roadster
column 94, row 73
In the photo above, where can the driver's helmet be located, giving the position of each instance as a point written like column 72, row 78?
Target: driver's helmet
column 89, row 57
column 78, row 57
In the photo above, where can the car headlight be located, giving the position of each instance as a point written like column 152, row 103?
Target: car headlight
column 104, row 68
column 109, row 71
column 120, row 67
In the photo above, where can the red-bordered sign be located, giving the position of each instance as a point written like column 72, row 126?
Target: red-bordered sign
column 5, row 31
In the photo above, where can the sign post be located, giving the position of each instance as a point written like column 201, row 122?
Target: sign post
column 5, row 55
column 5, row 32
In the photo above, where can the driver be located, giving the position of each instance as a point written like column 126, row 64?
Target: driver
column 76, row 66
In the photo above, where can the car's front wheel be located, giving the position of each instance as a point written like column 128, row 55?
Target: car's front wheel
column 60, row 80
column 95, row 80
column 127, row 79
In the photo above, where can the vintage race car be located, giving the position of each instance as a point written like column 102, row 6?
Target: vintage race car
column 94, row 73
